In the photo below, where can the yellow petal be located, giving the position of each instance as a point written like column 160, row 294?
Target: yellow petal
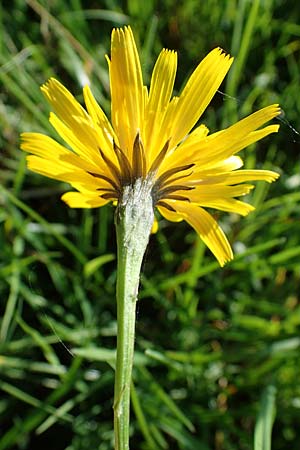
column 169, row 215
column 251, row 138
column 230, row 205
column 79, row 200
column 229, row 178
column 101, row 123
column 58, row 170
column 63, row 102
column 240, row 176
column 215, row 191
column 85, row 144
column 219, row 146
column 154, row 228
column 48, row 168
column 198, row 92
column 162, row 81
column 204, row 224
column 75, row 125
column 41, row 145
column 161, row 87
column 232, row 163
column 126, row 84
column 231, row 140
column 44, row 146
column 68, row 173
column 196, row 135
column 167, row 123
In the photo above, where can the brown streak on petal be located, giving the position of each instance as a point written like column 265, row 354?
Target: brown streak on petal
column 165, row 205
column 163, row 178
column 112, row 191
column 105, row 178
column 124, row 163
column 159, row 159
column 170, row 189
column 109, row 196
column 138, row 159
column 177, row 197
column 113, row 168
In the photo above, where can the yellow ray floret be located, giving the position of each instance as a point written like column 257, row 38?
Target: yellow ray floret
column 150, row 136
column 206, row 226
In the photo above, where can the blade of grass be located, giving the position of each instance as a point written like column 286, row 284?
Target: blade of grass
column 35, row 417
column 144, row 426
column 39, row 339
column 34, row 215
column 14, row 291
column 240, row 47
column 30, row 400
column 65, row 34
column 167, row 400
column 265, row 419
column 183, row 277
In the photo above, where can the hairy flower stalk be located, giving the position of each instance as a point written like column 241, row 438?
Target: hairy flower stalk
column 149, row 156
column 133, row 219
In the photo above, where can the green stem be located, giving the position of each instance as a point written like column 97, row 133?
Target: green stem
column 133, row 220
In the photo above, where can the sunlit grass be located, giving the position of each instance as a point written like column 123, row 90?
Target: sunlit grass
column 211, row 344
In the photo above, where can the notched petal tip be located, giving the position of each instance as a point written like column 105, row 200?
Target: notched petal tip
column 24, row 137
column 51, row 83
column 271, row 112
column 281, row 115
column 277, row 109
column 219, row 51
column 118, row 35
column 270, row 176
column 226, row 260
column 168, row 51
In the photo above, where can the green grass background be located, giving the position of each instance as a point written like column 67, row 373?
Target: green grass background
column 217, row 350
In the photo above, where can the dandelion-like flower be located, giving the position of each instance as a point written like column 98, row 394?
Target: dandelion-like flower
column 150, row 138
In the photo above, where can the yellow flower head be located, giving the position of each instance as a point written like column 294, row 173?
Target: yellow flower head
column 150, row 137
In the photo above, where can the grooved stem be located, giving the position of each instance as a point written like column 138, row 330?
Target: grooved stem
column 134, row 218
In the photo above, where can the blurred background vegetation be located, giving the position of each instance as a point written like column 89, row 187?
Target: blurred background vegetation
column 217, row 350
